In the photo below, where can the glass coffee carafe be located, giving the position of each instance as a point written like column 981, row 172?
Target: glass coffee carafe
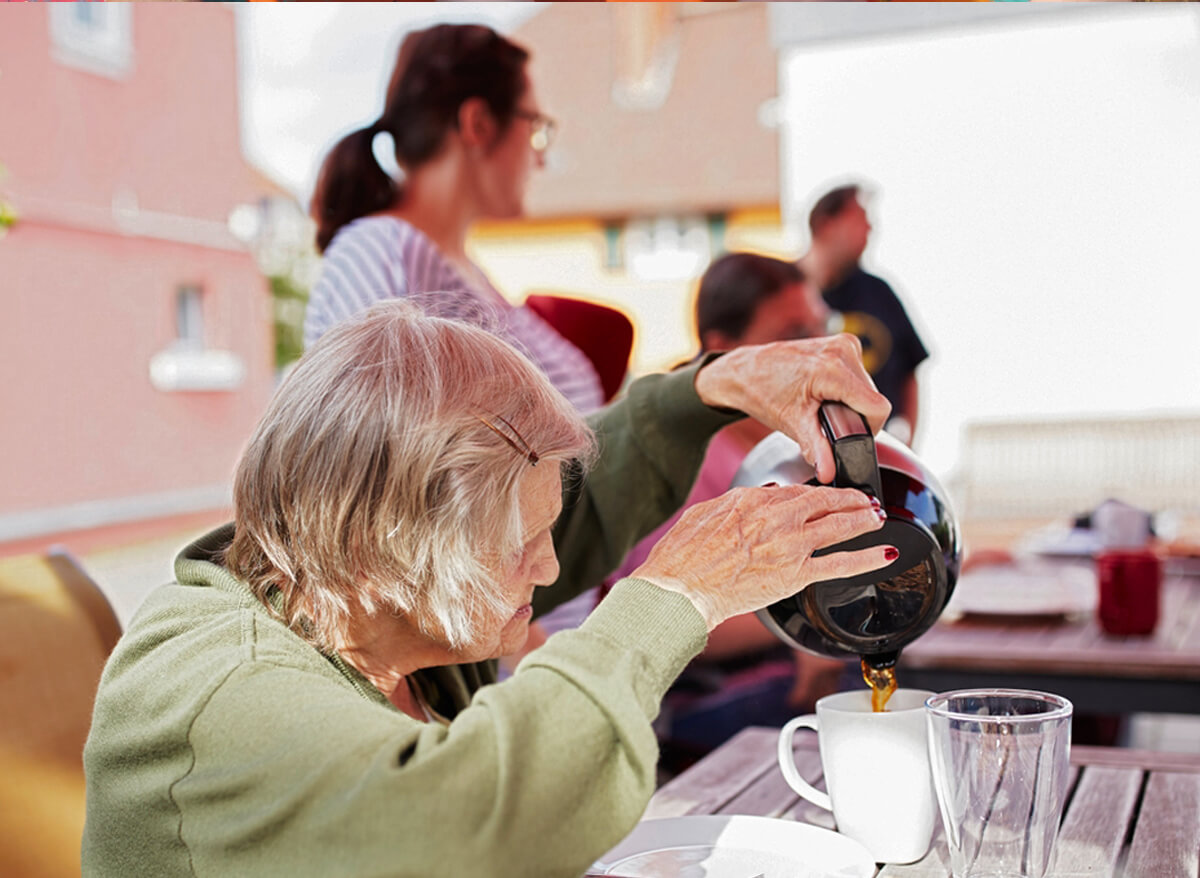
column 875, row 615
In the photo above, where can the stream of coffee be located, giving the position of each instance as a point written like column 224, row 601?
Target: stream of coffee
column 882, row 682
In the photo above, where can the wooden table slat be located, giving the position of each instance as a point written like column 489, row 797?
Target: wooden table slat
column 707, row 786
column 935, row 864
column 1097, row 821
column 1167, row 839
column 1069, row 637
column 771, row 796
column 804, row 811
column 997, row 649
column 1114, row 658
column 1147, row 760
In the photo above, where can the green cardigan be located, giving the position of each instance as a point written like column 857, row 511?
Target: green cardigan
column 223, row 744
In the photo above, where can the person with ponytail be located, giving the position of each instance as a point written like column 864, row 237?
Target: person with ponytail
column 466, row 130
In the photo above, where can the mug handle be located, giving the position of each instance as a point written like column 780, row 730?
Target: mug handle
column 787, row 763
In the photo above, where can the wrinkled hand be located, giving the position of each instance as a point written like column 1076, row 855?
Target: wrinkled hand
column 751, row 547
column 784, row 383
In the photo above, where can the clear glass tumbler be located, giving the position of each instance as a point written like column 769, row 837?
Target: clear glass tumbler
column 1000, row 760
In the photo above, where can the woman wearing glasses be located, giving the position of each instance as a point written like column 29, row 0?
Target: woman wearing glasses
column 467, row 130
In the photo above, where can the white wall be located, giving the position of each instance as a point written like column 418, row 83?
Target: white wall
column 1038, row 204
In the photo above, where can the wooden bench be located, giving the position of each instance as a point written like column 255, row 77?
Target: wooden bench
column 1013, row 476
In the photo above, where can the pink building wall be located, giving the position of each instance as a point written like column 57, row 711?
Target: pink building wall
column 88, row 292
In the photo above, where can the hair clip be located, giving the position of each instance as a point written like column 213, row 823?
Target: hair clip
column 523, row 449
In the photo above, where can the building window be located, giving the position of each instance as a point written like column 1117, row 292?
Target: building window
column 614, row 257
column 189, row 317
column 717, row 225
column 667, row 247
column 96, row 37
column 187, row 363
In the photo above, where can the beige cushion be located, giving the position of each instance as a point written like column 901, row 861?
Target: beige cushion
column 56, row 630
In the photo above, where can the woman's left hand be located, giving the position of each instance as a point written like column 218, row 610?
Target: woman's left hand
column 784, row 383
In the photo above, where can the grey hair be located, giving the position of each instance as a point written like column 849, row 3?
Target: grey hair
column 376, row 481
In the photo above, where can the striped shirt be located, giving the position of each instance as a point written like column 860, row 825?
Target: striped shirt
column 383, row 257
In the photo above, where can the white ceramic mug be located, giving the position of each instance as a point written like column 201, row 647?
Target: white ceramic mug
column 876, row 770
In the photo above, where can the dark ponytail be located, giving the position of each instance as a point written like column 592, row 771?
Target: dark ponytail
column 437, row 69
column 351, row 184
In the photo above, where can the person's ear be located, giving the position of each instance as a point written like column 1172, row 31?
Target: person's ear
column 476, row 125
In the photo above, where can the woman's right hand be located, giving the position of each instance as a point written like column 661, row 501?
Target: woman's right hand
column 750, row 547
column 783, row 384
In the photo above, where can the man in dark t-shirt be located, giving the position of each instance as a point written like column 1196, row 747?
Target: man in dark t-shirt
column 870, row 309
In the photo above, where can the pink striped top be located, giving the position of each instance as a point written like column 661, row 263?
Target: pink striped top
column 382, row 257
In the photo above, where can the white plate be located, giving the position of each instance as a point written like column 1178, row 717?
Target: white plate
column 736, row 847
column 1025, row 588
column 1055, row 540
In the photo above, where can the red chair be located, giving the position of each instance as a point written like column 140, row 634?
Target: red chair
column 604, row 334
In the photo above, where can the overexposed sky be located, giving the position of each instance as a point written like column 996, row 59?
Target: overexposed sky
column 1038, row 205
column 1039, row 184
column 312, row 72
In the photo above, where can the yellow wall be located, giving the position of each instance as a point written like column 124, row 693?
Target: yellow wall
column 566, row 257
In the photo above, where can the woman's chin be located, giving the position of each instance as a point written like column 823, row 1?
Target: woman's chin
column 515, row 633
column 512, row 210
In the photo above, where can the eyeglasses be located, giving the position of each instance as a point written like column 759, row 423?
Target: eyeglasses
column 541, row 129
column 522, row 449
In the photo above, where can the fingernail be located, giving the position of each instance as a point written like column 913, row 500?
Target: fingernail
column 882, row 515
column 891, row 553
column 875, row 502
column 771, row 485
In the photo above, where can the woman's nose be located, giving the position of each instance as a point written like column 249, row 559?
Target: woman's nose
column 546, row 572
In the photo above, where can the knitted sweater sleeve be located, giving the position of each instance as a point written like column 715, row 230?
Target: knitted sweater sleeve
column 652, row 442
column 538, row 776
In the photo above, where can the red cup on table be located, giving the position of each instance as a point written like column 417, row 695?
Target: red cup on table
column 1130, row 584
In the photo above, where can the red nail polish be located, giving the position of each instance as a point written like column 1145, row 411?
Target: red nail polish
column 875, row 502
column 891, row 553
column 771, row 485
column 882, row 515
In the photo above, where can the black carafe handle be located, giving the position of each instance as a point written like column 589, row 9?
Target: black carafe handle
column 853, row 448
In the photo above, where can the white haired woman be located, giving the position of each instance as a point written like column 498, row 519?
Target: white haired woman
column 311, row 696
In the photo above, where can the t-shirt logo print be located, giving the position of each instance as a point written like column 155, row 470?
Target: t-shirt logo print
column 874, row 335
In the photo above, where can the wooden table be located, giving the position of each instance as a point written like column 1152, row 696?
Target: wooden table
column 1131, row 813
column 1073, row 657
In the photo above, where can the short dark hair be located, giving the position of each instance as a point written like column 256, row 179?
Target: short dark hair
column 831, row 204
column 735, row 285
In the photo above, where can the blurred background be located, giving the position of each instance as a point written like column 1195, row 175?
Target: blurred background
column 1036, row 206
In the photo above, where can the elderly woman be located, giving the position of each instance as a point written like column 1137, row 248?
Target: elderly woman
column 311, row 697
